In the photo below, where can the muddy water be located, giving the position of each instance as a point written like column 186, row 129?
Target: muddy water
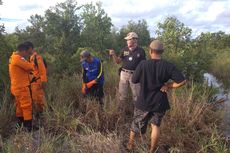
column 212, row 81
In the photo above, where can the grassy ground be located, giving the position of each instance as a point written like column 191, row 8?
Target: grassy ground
column 71, row 124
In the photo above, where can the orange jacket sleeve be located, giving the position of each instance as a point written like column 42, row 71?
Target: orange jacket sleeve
column 42, row 68
column 23, row 63
column 19, row 70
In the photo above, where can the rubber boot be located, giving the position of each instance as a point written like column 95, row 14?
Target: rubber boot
column 28, row 125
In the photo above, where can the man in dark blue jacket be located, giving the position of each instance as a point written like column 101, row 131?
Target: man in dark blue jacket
column 93, row 77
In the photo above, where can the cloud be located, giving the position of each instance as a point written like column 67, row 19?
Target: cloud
column 10, row 26
column 10, row 20
column 30, row 7
column 200, row 15
column 223, row 19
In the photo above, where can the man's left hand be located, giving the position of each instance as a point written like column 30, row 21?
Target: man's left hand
column 164, row 88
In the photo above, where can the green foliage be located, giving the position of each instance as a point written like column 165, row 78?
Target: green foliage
column 96, row 27
column 193, row 62
column 216, row 45
column 5, row 51
column 216, row 144
column 62, row 27
column 58, row 31
column 220, row 66
column 175, row 35
column 65, row 64
column 6, row 112
column 74, row 124
column 63, row 32
column 66, row 28
column 141, row 28
column 6, row 104
column 34, row 33
column 216, row 40
column 181, row 50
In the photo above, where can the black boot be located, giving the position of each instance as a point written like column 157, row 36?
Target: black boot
column 19, row 122
column 28, row 125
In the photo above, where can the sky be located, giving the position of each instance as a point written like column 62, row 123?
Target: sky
column 199, row 15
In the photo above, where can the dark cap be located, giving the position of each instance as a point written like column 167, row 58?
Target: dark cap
column 84, row 55
column 156, row 45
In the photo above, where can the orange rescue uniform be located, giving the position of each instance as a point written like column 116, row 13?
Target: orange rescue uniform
column 19, row 70
column 40, row 76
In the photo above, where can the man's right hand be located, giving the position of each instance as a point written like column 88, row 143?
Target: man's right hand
column 84, row 89
column 111, row 52
column 115, row 58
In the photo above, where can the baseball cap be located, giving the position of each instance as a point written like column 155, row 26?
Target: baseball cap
column 156, row 45
column 131, row 35
column 84, row 55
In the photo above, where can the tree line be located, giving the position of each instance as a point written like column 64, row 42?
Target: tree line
column 67, row 28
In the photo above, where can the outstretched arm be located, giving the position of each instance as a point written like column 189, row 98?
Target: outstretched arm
column 116, row 59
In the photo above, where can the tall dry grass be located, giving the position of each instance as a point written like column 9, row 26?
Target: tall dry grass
column 73, row 124
column 6, row 113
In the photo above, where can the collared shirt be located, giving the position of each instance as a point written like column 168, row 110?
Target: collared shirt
column 130, row 59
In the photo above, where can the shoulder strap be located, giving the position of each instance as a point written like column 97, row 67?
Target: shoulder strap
column 35, row 61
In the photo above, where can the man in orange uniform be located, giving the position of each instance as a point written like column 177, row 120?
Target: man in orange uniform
column 39, row 79
column 19, row 69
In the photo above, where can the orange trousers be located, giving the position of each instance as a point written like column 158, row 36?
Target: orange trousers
column 38, row 96
column 23, row 102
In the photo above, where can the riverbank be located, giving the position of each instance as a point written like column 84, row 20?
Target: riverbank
column 221, row 94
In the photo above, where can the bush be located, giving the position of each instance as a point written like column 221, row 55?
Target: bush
column 220, row 66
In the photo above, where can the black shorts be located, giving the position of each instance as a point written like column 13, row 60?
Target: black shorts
column 142, row 118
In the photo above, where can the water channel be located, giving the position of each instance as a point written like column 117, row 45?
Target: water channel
column 222, row 94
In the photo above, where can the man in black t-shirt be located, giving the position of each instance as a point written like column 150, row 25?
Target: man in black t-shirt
column 130, row 57
column 152, row 103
